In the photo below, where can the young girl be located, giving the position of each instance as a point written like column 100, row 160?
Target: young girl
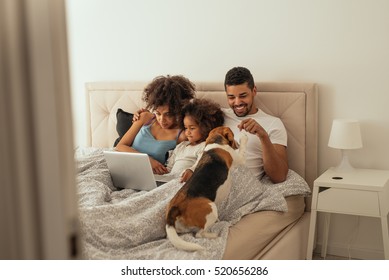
column 198, row 118
column 156, row 134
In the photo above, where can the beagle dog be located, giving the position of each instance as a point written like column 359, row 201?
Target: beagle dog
column 194, row 207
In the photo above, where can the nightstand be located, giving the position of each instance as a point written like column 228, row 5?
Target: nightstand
column 363, row 192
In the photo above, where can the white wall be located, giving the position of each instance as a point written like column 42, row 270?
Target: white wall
column 343, row 45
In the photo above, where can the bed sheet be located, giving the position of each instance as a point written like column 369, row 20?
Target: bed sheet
column 129, row 224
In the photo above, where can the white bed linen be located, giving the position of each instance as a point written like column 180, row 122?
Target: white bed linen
column 128, row 224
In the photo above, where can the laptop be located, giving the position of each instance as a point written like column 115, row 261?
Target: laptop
column 133, row 171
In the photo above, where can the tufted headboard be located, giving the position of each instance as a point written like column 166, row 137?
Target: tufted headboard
column 294, row 103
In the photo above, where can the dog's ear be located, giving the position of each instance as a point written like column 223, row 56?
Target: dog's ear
column 229, row 135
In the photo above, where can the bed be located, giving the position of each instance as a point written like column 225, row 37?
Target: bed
column 259, row 220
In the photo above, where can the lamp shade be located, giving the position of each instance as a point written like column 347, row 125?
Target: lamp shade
column 345, row 134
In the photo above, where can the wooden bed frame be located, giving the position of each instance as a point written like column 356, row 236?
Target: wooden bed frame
column 296, row 104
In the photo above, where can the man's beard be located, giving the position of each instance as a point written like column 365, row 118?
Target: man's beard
column 244, row 112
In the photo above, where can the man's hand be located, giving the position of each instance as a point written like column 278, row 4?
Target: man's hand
column 251, row 126
column 275, row 159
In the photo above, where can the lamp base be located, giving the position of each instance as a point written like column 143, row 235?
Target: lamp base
column 344, row 165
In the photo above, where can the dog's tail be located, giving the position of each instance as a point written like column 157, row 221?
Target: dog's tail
column 180, row 243
column 172, row 235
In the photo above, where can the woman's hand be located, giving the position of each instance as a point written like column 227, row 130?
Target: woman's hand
column 186, row 175
column 158, row 168
column 138, row 113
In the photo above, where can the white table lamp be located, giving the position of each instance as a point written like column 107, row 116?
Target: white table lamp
column 345, row 135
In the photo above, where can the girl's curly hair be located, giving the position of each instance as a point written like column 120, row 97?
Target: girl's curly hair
column 174, row 91
column 205, row 112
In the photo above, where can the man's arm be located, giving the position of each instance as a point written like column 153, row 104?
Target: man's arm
column 275, row 161
column 275, row 158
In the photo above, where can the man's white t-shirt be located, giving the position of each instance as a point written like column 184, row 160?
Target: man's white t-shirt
column 272, row 125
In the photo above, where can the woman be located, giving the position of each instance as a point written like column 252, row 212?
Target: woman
column 156, row 134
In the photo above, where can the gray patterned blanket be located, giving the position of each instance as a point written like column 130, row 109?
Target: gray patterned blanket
column 129, row 224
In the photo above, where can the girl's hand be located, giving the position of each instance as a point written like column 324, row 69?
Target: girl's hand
column 158, row 168
column 186, row 175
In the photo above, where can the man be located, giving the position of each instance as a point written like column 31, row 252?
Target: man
column 266, row 149
column 266, row 154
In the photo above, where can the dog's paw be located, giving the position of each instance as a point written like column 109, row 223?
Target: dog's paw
column 243, row 138
column 206, row 234
column 242, row 148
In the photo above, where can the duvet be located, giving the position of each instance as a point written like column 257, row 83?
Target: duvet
column 129, row 224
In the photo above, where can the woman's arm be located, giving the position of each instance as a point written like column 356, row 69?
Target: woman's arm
column 138, row 113
column 125, row 144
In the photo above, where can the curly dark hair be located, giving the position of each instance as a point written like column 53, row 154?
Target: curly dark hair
column 205, row 112
column 238, row 76
column 174, row 91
